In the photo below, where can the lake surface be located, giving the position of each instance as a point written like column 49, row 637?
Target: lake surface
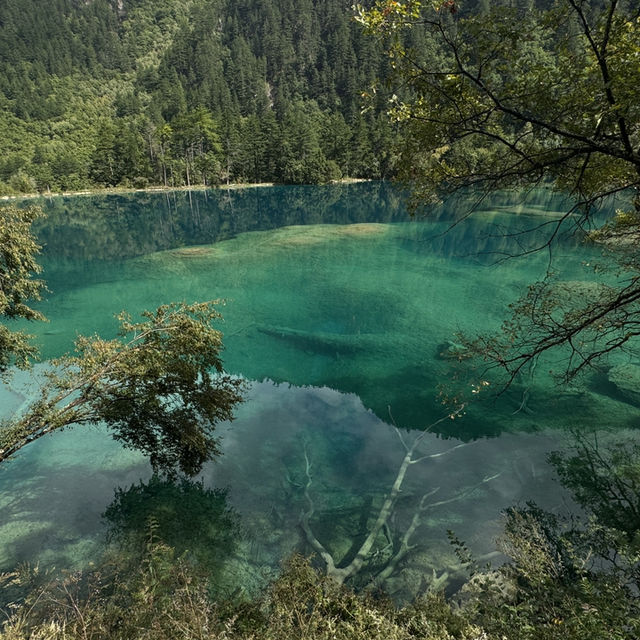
column 338, row 308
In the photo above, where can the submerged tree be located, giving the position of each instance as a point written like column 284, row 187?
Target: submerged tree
column 514, row 98
column 159, row 386
column 381, row 550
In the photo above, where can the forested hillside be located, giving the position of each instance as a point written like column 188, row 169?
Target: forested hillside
column 491, row 95
column 179, row 92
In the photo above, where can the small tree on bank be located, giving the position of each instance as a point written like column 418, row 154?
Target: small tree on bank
column 159, row 387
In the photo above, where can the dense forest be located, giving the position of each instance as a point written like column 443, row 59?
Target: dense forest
column 179, row 92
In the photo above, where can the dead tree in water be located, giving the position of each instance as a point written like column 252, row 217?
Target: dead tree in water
column 364, row 553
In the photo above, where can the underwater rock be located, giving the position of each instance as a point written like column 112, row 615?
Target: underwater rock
column 406, row 584
column 626, row 378
column 193, row 252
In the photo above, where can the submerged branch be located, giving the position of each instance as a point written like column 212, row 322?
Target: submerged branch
column 341, row 574
column 304, row 521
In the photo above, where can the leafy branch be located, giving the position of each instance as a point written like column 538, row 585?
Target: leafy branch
column 159, row 387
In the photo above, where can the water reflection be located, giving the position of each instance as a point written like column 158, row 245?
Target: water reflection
column 340, row 322
column 113, row 227
column 185, row 515
column 242, row 516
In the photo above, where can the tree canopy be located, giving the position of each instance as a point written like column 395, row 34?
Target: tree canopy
column 512, row 97
column 18, row 251
column 178, row 92
column 518, row 97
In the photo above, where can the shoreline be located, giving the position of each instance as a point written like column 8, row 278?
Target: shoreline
column 161, row 189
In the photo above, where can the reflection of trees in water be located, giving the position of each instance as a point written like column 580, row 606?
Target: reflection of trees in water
column 604, row 477
column 393, row 312
column 181, row 514
column 128, row 225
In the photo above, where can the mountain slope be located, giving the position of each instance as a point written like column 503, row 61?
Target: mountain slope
column 137, row 92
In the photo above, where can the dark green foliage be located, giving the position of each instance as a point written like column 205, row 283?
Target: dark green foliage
column 18, row 251
column 106, row 94
column 165, row 390
column 604, row 479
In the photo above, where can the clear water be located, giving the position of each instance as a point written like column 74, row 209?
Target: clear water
column 337, row 307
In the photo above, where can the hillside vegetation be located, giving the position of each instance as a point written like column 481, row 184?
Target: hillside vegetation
column 179, row 92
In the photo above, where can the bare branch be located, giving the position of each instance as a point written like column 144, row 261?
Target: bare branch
column 340, row 574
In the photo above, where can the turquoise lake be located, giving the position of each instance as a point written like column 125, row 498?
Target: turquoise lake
column 339, row 309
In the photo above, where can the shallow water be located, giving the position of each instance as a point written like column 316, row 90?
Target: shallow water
column 337, row 307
